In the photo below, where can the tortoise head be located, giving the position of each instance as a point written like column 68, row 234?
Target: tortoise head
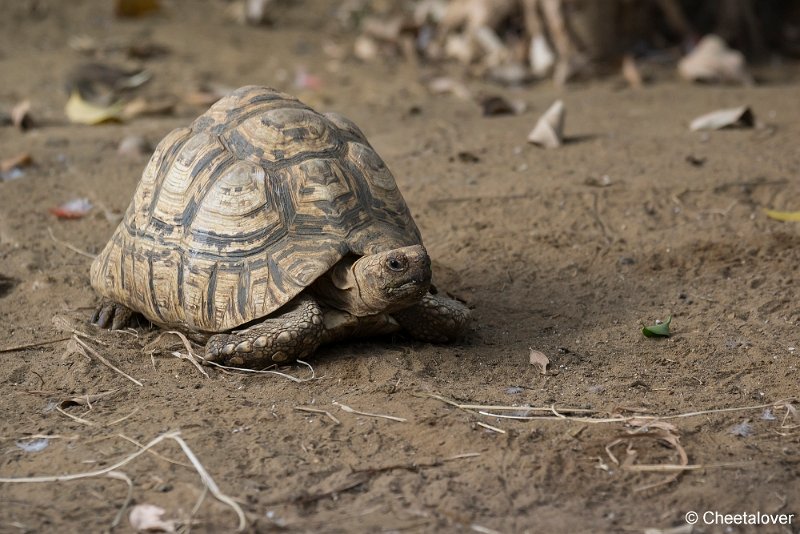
column 376, row 283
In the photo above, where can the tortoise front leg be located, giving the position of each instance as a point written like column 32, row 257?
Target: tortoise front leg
column 295, row 333
column 112, row 315
column 435, row 318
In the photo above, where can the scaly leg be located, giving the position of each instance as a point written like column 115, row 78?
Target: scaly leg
column 435, row 318
column 295, row 333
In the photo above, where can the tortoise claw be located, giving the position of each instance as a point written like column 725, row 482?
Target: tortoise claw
column 111, row 315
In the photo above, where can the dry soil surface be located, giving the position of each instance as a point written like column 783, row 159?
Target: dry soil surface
column 548, row 253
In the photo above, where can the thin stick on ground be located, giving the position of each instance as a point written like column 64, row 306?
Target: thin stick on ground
column 209, row 482
column 105, row 361
column 70, row 246
column 492, row 428
column 348, row 409
column 119, row 475
column 316, row 410
column 153, row 453
column 75, row 417
column 507, row 408
column 123, row 418
column 173, row 435
column 190, row 355
column 244, row 370
column 559, row 414
column 26, row 346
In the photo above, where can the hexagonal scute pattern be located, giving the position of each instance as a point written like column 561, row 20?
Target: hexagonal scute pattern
column 236, row 215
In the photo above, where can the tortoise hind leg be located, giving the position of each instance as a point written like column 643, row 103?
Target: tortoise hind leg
column 435, row 318
column 295, row 333
column 112, row 315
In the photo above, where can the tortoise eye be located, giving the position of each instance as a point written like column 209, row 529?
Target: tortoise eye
column 396, row 264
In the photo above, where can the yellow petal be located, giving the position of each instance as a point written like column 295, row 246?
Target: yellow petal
column 783, row 215
column 80, row 111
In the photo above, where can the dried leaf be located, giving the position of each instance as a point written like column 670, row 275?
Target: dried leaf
column 80, row 111
column 85, row 400
column 72, row 209
column 540, row 360
column 549, row 130
column 23, row 159
column 147, row 517
column 658, row 330
column 787, row 216
column 724, row 118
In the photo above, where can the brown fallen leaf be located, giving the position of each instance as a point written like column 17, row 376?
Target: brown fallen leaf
column 23, row 159
column 21, row 116
column 540, row 360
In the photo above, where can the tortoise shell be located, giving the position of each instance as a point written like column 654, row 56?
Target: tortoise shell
column 236, row 215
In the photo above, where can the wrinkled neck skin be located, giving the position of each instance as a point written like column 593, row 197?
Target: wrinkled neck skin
column 378, row 283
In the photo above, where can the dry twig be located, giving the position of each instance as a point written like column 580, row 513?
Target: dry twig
column 70, row 246
column 316, row 410
column 173, row 435
column 348, row 409
column 15, row 348
column 103, row 360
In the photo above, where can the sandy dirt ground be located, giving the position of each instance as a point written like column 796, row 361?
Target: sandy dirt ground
column 548, row 253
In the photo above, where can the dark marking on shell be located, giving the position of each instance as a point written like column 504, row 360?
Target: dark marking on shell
column 152, row 286
column 212, row 288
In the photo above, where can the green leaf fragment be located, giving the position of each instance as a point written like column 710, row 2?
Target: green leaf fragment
column 658, row 330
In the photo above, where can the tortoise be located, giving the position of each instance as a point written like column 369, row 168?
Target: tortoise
column 266, row 229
